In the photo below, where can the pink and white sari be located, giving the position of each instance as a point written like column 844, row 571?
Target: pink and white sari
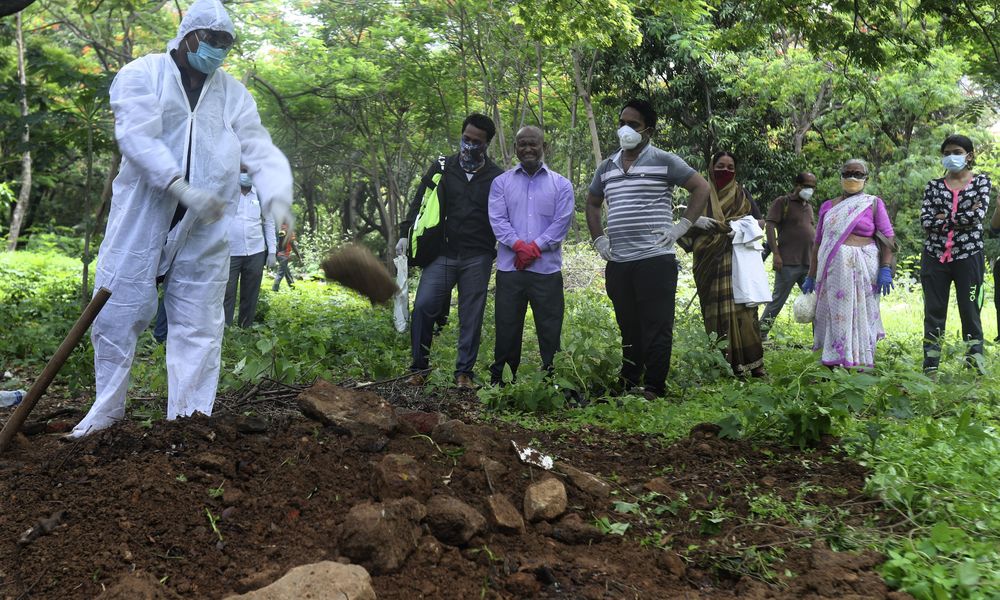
column 848, row 322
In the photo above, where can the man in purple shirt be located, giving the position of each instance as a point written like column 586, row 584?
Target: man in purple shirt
column 531, row 208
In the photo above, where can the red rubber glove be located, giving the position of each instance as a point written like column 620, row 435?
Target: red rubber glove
column 523, row 255
column 531, row 254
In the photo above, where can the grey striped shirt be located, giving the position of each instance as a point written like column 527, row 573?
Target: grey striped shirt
column 640, row 201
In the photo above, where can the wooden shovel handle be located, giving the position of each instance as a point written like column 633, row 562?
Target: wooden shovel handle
column 52, row 368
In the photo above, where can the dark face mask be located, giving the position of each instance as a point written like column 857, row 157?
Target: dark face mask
column 471, row 155
column 723, row 177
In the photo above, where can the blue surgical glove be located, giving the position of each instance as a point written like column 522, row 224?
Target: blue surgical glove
column 884, row 283
column 809, row 285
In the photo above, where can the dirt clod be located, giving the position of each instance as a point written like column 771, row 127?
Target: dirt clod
column 358, row 412
column 399, row 476
column 327, row 579
column 545, row 500
column 452, row 521
column 504, row 516
column 381, row 536
column 137, row 586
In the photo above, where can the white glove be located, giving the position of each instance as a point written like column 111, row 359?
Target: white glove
column 603, row 247
column 400, row 246
column 669, row 235
column 704, row 223
column 207, row 206
column 281, row 212
column 272, row 260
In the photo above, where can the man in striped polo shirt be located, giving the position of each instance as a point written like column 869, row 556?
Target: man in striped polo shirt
column 638, row 184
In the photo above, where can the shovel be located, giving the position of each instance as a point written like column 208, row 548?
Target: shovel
column 41, row 384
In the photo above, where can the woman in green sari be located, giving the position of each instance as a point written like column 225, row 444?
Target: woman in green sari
column 713, row 270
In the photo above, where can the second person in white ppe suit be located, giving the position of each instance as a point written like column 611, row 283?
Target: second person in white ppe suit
column 184, row 126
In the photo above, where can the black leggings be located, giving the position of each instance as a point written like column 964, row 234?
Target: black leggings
column 936, row 279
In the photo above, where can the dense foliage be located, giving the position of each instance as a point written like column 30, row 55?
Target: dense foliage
column 361, row 96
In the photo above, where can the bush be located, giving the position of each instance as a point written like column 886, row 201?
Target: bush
column 39, row 302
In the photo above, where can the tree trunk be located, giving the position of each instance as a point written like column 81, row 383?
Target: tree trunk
column 24, row 195
column 584, row 92
column 116, row 159
column 386, row 226
column 570, row 152
column 84, row 283
column 500, row 137
column 541, row 105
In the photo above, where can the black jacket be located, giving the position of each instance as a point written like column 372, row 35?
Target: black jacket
column 465, row 206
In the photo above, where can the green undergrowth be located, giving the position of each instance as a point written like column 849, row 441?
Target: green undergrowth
column 39, row 302
column 932, row 445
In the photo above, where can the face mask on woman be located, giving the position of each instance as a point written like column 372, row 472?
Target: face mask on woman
column 852, row 185
column 954, row 162
column 722, row 177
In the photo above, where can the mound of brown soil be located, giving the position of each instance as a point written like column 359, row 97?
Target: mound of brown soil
column 205, row 507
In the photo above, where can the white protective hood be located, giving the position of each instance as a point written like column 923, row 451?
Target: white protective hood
column 203, row 14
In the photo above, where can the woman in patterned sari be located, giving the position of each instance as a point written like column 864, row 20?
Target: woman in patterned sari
column 848, row 271
column 713, row 270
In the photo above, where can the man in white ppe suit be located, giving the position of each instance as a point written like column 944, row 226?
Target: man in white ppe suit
column 184, row 127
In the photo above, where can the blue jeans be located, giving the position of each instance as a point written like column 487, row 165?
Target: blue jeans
column 472, row 275
column 284, row 272
column 784, row 280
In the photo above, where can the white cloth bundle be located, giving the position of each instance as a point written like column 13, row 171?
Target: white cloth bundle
column 750, row 285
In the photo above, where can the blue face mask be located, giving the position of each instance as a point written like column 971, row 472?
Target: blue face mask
column 954, row 162
column 207, row 59
column 245, row 180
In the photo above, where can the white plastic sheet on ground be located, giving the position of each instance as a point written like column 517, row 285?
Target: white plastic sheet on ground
column 401, row 301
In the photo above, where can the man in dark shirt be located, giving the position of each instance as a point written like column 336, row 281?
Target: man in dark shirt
column 467, row 253
column 792, row 216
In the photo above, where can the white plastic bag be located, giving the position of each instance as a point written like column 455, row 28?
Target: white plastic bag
column 401, row 301
column 804, row 308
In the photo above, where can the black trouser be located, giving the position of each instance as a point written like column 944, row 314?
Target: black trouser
column 245, row 272
column 514, row 292
column 642, row 292
column 936, row 279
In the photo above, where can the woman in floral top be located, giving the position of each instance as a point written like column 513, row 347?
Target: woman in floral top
column 952, row 216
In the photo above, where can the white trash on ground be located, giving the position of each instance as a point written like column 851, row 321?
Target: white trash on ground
column 11, row 398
